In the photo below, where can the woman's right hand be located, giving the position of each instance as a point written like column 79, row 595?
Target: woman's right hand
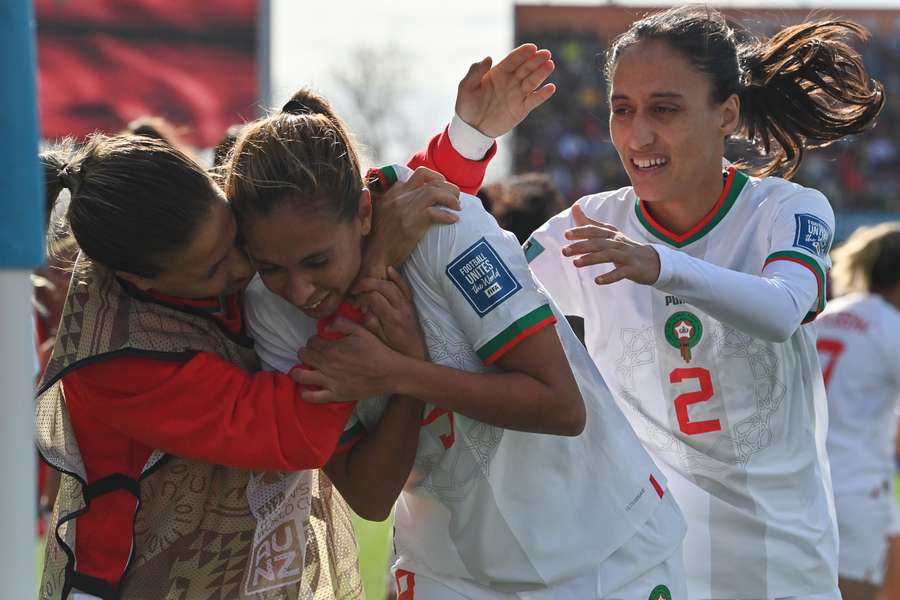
column 403, row 215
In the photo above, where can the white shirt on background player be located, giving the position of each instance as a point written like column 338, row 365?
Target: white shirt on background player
column 489, row 511
column 859, row 348
column 717, row 379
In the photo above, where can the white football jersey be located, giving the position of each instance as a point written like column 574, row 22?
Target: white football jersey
column 504, row 508
column 736, row 423
column 859, row 349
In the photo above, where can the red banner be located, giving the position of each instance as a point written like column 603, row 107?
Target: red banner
column 104, row 63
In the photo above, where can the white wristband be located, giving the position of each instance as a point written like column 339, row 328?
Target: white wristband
column 468, row 141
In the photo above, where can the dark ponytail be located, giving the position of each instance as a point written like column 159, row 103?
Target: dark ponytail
column 134, row 201
column 303, row 155
column 804, row 88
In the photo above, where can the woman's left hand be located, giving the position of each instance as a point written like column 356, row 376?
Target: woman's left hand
column 600, row 243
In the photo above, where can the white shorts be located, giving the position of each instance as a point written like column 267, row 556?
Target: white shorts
column 864, row 523
column 649, row 565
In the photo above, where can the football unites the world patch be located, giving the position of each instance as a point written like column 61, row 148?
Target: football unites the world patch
column 683, row 331
column 812, row 234
column 482, row 277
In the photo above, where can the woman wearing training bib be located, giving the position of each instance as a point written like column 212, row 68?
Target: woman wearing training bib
column 694, row 284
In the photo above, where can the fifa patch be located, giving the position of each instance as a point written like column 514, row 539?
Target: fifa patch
column 482, row 277
column 683, row 332
column 812, row 234
column 532, row 249
column 660, row 592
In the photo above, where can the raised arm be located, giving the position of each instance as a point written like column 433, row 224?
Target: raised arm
column 788, row 290
column 490, row 101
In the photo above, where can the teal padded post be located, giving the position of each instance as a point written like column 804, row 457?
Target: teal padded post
column 21, row 183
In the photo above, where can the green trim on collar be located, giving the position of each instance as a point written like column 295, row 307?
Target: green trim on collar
column 733, row 187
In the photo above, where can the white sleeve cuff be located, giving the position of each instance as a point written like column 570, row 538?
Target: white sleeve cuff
column 468, row 141
column 666, row 270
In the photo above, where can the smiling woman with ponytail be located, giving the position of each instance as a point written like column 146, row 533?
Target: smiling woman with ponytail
column 719, row 266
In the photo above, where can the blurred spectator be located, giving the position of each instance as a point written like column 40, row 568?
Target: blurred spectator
column 523, row 203
column 569, row 138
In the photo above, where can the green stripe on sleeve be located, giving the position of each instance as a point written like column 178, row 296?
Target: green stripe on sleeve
column 810, row 263
column 520, row 326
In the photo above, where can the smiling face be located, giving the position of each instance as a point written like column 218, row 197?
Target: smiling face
column 665, row 125
column 308, row 257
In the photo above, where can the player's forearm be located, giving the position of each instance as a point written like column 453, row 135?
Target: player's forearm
column 769, row 306
column 507, row 399
column 372, row 473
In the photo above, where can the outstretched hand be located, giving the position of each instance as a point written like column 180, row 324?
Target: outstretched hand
column 601, row 243
column 494, row 100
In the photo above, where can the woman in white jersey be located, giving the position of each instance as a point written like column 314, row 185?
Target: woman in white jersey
column 859, row 349
column 701, row 340
column 492, row 509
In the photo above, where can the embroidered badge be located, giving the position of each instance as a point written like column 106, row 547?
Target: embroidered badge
column 683, row 332
column 532, row 249
column 482, row 277
column 660, row 592
column 812, row 234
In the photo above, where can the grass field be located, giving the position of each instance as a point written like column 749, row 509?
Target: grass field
column 374, row 541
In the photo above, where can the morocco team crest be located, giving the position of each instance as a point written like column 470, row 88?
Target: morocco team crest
column 683, row 332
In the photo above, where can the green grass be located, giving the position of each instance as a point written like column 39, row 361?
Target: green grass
column 374, row 541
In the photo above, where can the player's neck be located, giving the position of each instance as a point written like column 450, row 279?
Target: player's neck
column 684, row 212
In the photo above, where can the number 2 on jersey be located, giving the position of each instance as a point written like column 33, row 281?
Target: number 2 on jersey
column 683, row 401
column 832, row 349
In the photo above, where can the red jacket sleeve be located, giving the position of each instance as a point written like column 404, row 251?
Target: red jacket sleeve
column 210, row 410
column 441, row 156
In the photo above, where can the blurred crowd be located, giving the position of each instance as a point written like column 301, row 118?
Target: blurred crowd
column 568, row 138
